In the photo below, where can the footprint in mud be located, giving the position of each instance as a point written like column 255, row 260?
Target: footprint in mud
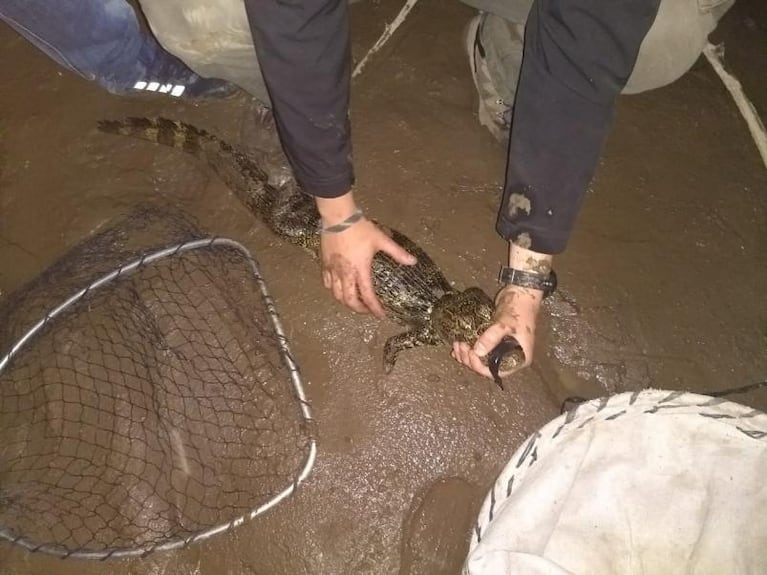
column 436, row 530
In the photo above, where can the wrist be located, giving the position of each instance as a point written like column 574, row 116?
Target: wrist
column 527, row 260
column 529, row 273
column 335, row 210
column 511, row 296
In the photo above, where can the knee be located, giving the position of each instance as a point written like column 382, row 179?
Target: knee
column 674, row 42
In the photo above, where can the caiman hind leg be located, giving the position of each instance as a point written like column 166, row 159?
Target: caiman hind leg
column 410, row 339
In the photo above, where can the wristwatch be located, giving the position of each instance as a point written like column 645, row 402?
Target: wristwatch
column 512, row 276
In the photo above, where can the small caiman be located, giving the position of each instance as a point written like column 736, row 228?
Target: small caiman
column 417, row 296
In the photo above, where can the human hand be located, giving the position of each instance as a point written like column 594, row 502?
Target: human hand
column 347, row 256
column 516, row 314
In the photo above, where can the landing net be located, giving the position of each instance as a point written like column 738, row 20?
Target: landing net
column 148, row 397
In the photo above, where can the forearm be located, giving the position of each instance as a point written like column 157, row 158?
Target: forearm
column 578, row 56
column 335, row 210
column 304, row 53
column 529, row 261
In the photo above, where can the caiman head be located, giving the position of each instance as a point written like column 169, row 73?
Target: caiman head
column 463, row 316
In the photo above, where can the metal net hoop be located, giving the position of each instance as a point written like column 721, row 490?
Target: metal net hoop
column 78, row 535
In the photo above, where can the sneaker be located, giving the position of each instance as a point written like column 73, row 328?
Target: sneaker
column 192, row 87
column 201, row 88
column 165, row 74
column 493, row 112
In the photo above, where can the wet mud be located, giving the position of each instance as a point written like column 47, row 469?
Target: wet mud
column 662, row 284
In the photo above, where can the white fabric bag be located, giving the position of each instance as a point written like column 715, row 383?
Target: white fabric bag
column 651, row 482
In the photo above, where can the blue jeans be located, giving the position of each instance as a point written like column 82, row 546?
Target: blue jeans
column 100, row 40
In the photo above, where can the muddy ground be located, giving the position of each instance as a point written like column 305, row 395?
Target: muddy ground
column 662, row 285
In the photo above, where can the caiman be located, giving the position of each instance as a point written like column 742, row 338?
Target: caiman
column 417, row 296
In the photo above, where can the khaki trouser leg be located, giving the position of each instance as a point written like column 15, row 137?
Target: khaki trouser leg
column 671, row 47
column 212, row 38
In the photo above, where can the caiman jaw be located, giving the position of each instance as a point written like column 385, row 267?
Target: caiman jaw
column 505, row 356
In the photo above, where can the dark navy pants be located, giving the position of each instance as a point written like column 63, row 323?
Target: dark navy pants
column 101, row 40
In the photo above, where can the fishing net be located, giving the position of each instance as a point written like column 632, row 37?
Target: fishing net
column 148, row 398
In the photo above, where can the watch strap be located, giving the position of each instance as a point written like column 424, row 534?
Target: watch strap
column 545, row 283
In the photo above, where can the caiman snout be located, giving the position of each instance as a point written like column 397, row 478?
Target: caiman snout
column 504, row 357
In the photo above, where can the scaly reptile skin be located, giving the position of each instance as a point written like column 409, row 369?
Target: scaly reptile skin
column 418, row 296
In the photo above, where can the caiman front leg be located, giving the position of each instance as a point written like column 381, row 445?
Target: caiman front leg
column 415, row 337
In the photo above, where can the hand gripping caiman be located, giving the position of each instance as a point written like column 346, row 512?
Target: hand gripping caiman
column 418, row 296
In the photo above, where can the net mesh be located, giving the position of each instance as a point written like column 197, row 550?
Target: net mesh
column 153, row 408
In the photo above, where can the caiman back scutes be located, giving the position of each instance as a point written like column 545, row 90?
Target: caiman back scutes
column 418, row 295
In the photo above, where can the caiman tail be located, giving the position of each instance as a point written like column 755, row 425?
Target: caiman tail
column 241, row 174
